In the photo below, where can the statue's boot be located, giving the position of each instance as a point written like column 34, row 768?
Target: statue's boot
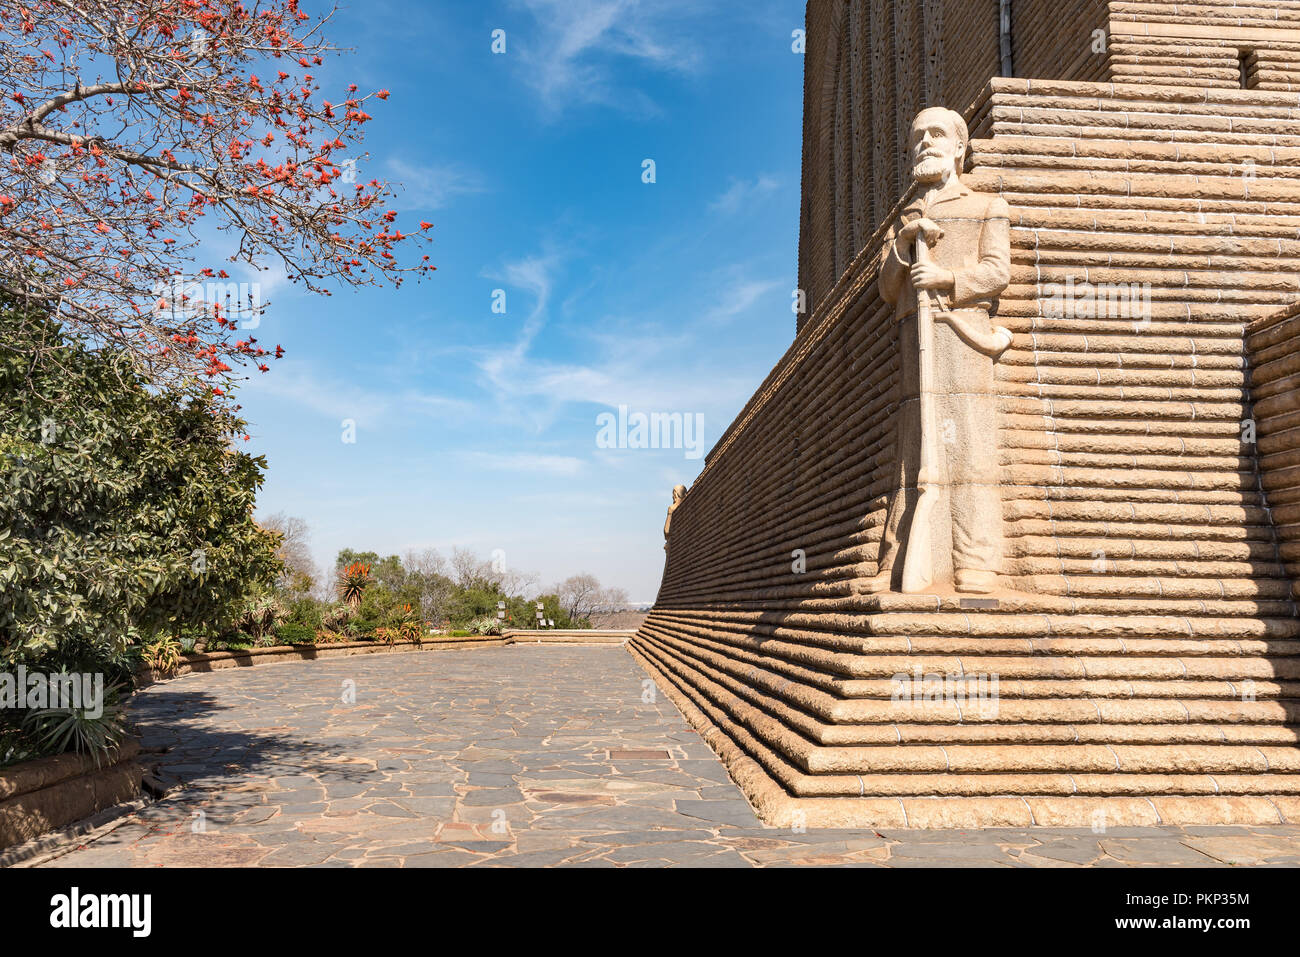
column 877, row 584
column 975, row 581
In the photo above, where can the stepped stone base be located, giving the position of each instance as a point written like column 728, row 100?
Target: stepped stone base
column 779, row 808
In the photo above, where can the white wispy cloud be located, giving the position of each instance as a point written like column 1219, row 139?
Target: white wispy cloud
column 529, row 463
column 734, row 294
column 742, row 192
column 323, row 392
column 432, row 186
column 620, row 362
column 572, row 55
column 535, row 276
column 647, row 374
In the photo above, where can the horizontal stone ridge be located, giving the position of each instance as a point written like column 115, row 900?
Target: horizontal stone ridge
column 1197, row 45
column 829, row 713
column 1057, row 775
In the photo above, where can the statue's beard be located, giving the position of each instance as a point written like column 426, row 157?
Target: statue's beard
column 931, row 169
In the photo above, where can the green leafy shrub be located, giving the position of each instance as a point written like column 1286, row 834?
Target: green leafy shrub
column 378, row 605
column 485, row 625
column 306, row 611
column 364, row 628
column 336, row 617
column 259, row 616
column 17, row 745
column 162, row 656
column 232, row 641
column 294, row 634
column 409, row 627
column 126, row 512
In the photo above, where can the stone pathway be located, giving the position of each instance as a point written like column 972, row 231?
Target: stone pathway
column 524, row 756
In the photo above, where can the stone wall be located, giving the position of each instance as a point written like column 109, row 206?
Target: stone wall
column 1109, row 409
column 1201, row 44
column 50, row 793
column 1274, row 352
column 1053, row 39
column 1103, row 417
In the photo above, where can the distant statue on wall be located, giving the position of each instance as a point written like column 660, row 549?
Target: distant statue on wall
column 679, row 493
column 942, row 268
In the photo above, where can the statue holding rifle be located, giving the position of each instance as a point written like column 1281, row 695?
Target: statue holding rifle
column 942, row 268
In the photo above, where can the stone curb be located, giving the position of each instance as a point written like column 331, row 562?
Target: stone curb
column 224, row 660
column 54, row 844
column 49, row 793
column 577, row 636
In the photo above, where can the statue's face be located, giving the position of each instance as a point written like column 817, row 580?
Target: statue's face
column 935, row 146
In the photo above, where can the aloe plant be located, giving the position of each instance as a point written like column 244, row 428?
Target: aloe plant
column 71, row 729
column 162, row 656
column 352, row 583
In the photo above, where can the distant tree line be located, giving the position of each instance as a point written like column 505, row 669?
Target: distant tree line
column 461, row 592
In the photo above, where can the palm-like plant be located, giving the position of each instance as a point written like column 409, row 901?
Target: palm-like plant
column 259, row 616
column 352, row 583
column 72, row 729
column 410, row 628
column 485, row 625
column 162, row 656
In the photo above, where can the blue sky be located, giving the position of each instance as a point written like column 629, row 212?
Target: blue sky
column 479, row 430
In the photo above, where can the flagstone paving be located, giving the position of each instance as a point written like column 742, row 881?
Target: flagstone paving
column 501, row 757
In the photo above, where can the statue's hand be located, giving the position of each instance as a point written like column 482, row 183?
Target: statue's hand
column 928, row 227
column 928, row 276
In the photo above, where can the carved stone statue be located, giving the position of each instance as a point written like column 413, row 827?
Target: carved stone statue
column 943, row 267
column 679, row 493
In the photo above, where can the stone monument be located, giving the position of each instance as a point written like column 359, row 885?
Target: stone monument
column 942, row 267
column 1077, row 353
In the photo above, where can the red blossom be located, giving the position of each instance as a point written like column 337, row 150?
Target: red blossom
column 155, row 135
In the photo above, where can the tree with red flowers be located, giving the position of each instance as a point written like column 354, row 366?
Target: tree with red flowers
column 127, row 126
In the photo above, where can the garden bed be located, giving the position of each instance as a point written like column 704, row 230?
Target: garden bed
column 247, row 658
